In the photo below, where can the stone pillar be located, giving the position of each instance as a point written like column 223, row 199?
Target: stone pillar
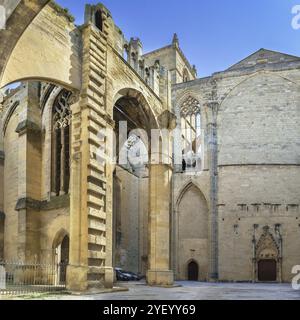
column 2, row 215
column 91, row 176
column 29, row 174
column 78, row 262
column 213, row 169
column 160, row 208
column 109, row 270
column 159, row 272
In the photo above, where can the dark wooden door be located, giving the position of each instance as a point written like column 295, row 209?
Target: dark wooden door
column 64, row 260
column 193, row 271
column 267, row 270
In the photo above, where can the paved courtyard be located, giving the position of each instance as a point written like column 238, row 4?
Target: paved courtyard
column 196, row 291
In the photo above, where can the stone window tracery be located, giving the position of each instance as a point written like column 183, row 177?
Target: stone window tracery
column 191, row 134
column 61, row 121
column 185, row 76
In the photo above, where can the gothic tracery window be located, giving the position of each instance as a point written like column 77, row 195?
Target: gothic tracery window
column 61, row 120
column 185, row 76
column 191, row 134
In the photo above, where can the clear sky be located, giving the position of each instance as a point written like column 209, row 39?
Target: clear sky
column 214, row 34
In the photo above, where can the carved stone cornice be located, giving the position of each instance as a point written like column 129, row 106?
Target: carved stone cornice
column 27, row 126
column 54, row 203
column 27, row 203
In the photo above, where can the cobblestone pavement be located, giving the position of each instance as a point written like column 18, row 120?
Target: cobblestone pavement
column 195, row 291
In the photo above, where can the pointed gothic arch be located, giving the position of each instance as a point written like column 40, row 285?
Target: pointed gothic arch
column 185, row 187
column 61, row 125
column 267, row 260
column 190, row 227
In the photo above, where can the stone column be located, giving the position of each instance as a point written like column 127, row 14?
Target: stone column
column 62, row 162
column 91, row 177
column 160, row 181
column 213, row 169
column 29, row 174
column 78, row 256
column 159, row 272
column 2, row 214
column 109, row 270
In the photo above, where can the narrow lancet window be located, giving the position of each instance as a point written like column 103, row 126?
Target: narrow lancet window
column 61, row 120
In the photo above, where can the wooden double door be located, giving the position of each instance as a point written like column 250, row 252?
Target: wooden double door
column 267, row 270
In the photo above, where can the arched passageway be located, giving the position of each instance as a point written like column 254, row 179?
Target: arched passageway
column 131, row 185
column 61, row 258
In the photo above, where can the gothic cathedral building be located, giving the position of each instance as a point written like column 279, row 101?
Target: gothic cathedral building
column 83, row 182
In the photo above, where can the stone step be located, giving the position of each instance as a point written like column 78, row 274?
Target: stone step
column 96, row 200
column 99, row 89
column 96, row 255
column 98, row 121
column 96, row 213
column 95, row 174
column 98, row 270
column 97, row 240
column 94, row 163
column 96, row 108
column 96, row 224
column 100, row 47
column 96, row 64
column 94, row 96
column 96, row 189
column 99, row 36
column 101, row 58
column 97, row 128
column 95, row 139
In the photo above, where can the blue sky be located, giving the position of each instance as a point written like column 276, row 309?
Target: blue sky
column 213, row 34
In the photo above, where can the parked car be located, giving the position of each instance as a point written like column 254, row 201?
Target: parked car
column 126, row 275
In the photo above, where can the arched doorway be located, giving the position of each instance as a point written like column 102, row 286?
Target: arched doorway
column 61, row 259
column 267, row 263
column 2, row 220
column 193, row 271
column 267, row 270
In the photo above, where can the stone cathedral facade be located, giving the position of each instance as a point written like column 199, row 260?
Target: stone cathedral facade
column 221, row 201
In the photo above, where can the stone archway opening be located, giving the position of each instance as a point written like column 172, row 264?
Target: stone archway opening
column 193, row 271
column 61, row 247
column 131, row 185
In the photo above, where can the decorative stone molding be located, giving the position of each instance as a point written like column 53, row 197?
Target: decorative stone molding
column 27, row 125
column 167, row 120
column 54, row 203
column 27, row 203
column 267, row 247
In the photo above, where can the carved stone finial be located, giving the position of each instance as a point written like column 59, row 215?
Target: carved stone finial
column 194, row 70
column 266, row 229
column 175, row 40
